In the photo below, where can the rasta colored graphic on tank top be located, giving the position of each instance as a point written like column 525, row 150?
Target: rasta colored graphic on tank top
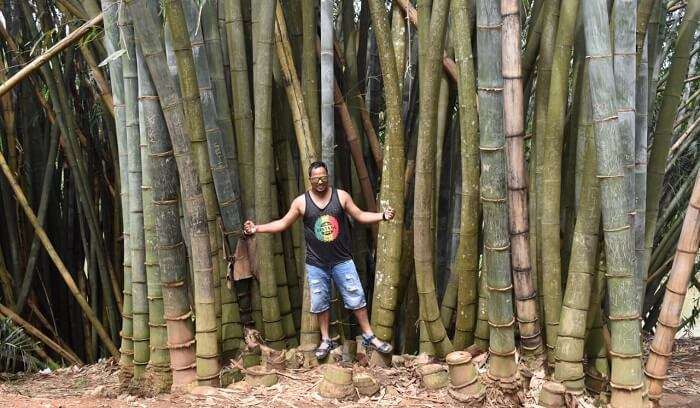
column 326, row 228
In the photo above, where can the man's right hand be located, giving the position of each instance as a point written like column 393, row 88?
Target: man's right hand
column 249, row 227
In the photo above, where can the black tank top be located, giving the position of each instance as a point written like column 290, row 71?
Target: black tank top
column 327, row 232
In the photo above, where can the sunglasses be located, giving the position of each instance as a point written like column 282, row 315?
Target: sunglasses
column 319, row 179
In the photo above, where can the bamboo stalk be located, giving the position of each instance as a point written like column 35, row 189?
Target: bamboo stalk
column 302, row 126
column 467, row 259
column 327, row 79
column 493, row 192
column 50, row 53
column 670, row 317
column 626, row 374
column 448, row 63
column 148, row 32
column 514, row 115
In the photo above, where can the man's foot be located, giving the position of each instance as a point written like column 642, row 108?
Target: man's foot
column 324, row 348
column 372, row 342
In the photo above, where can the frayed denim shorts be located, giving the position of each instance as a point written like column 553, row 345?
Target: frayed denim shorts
column 346, row 280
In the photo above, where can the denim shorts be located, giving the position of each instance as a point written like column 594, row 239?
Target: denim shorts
column 346, row 280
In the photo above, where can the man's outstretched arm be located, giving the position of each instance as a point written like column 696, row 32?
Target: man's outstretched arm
column 249, row 227
column 363, row 217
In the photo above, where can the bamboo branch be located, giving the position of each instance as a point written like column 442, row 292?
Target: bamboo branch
column 50, row 53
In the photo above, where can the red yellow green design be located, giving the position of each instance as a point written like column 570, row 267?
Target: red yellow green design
column 326, row 228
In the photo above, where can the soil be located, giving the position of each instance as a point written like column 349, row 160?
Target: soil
column 97, row 385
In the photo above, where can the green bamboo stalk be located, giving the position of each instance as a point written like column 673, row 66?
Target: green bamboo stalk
column 283, row 293
column 309, row 70
column 47, row 183
column 327, row 78
column 550, row 294
column 597, row 366
column 170, row 249
column 137, row 243
column 148, row 32
column 387, row 273
column 242, row 111
column 467, row 259
column 274, row 333
column 664, row 125
column 626, row 373
column 112, row 41
column 482, row 331
column 493, row 192
column 218, row 129
column 431, row 39
column 624, row 15
column 572, row 325
column 159, row 357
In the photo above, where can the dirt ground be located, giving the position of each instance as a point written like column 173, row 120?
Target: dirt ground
column 98, row 386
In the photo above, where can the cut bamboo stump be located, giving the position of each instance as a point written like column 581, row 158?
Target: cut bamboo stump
column 308, row 355
column 250, row 358
column 552, row 395
column 293, row 359
column 433, row 376
column 365, row 384
column 337, row 382
column 258, row 375
column 274, row 359
column 464, row 379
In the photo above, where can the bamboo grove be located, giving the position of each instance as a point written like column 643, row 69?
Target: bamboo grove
column 542, row 158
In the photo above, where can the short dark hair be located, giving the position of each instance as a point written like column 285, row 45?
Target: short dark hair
column 316, row 165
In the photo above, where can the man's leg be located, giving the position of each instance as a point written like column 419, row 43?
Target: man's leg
column 320, row 285
column 323, row 322
column 350, row 287
column 363, row 321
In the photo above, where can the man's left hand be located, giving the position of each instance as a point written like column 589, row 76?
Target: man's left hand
column 389, row 213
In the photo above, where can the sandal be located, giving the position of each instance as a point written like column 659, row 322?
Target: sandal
column 321, row 351
column 384, row 347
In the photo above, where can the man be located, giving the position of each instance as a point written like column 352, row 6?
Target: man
column 325, row 213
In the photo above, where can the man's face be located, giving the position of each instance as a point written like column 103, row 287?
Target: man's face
column 319, row 179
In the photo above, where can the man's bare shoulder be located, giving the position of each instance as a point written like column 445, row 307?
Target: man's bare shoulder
column 343, row 195
column 300, row 204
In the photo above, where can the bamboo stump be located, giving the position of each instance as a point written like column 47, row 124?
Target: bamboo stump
column 274, row 359
column 464, row 379
column 230, row 375
column 308, row 355
column 433, row 376
column 258, row 375
column 337, row 382
column 366, row 384
column 250, row 358
column 293, row 359
column 552, row 395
